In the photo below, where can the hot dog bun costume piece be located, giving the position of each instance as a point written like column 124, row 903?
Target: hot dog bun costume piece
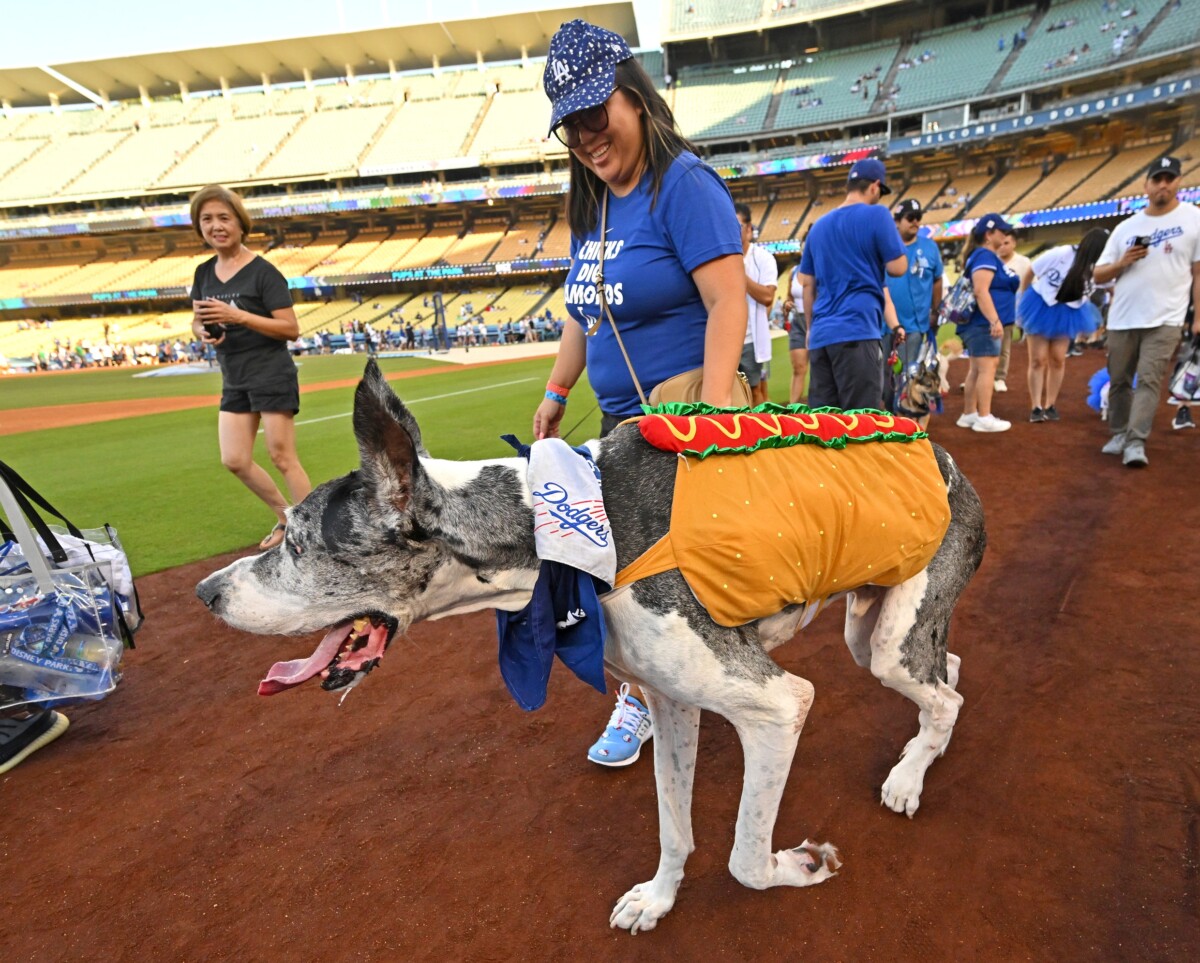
column 781, row 506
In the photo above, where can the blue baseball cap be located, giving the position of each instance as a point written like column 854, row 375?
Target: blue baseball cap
column 991, row 222
column 871, row 170
column 581, row 68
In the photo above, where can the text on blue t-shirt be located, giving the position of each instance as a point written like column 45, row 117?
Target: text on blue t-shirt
column 912, row 293
column 650, row 253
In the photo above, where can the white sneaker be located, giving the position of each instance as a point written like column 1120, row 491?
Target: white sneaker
column 967, row 420
column 991, row 423
column 1135, row 455
column 1000, row 386
column 1115, row 445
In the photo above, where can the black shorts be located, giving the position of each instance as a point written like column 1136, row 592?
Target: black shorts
column 846, row 375
column 254, row 381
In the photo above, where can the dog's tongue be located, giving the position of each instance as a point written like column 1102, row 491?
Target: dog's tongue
column 284, row 675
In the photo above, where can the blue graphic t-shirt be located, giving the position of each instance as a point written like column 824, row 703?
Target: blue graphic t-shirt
column 912, row 294
column 1003, row 288
column 846, row 252
column 648, row 262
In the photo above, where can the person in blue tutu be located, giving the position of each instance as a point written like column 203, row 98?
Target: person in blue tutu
column 1055, row 309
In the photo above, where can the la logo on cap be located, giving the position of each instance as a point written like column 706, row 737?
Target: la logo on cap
column 1164, row 162
column 561, row 71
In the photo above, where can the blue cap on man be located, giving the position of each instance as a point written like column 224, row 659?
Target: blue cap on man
column 581, row 68
column 870, row 169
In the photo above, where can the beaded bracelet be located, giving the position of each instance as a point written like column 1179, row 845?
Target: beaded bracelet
column 556, row 397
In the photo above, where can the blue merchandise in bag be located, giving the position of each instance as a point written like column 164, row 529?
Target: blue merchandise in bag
column 63, row 622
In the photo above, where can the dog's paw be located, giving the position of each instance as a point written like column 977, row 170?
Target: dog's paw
column 806, row 865
column 642, row 907
column 902, row 790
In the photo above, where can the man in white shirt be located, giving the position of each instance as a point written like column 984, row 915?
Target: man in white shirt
column 1154, row 257
column 762, row 275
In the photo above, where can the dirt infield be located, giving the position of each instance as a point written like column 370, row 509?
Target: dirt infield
column 428, row 818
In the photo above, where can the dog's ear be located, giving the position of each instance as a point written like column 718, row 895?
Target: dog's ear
column 388, row 440
column 373, row 377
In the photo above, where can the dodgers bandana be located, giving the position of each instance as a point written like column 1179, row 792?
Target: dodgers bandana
column 564, row 617
column 570, row 525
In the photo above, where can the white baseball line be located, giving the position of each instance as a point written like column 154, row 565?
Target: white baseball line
column 414, row 401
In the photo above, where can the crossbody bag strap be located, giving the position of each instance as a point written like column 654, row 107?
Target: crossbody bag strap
column 604, row 310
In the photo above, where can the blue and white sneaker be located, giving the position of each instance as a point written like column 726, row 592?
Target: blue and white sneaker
column 629, row 727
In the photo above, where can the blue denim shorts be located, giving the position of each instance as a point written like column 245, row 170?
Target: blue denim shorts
column 978, row 341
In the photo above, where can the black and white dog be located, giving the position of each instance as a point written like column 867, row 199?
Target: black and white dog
column 409, row 537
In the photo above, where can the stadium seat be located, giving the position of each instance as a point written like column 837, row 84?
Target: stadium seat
column 783, row 218
column 231, row 152
column 424, row 130
column 331, row 141
column 722, row 103
column 45, row 173
column 964, row 60
column 1047, row 55
column 1061, row 181
column 819, row 92
column 1126, row 167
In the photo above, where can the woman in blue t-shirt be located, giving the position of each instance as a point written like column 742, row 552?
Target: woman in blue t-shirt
column 673, row 274
column 674, row 280
column 995, row 306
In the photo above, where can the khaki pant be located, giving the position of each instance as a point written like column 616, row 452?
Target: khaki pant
column 1005, row 353
column 1145, row 352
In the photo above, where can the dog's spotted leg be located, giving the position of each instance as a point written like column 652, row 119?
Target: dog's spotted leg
column 908, row 654
column 676, row 735
column 769, row 728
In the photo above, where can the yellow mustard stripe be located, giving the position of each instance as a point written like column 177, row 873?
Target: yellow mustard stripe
column 678, row 434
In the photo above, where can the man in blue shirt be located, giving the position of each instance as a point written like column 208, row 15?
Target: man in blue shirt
column 917, row 293
column 842, row 270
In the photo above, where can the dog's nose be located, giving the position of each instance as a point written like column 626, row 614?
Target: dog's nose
column 209, row 590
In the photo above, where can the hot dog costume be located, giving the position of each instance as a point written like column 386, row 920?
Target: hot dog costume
column 829, row 501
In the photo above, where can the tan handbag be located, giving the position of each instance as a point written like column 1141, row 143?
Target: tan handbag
column 683, row 387
column 686, row 387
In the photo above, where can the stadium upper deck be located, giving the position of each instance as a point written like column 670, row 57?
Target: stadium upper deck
column 348, row 179
column 492, row 116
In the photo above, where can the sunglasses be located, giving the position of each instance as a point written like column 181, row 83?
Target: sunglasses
column 912, row 217
column 594, row 119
